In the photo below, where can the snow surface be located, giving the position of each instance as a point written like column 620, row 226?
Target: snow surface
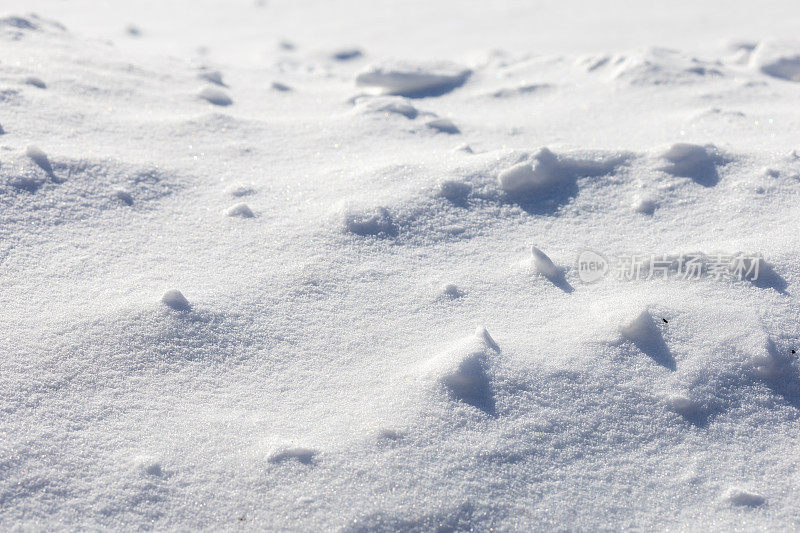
column 275, row 265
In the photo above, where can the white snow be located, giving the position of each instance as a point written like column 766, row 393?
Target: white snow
column 244, row 247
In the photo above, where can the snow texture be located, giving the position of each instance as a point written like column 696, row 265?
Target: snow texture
column 244, row 247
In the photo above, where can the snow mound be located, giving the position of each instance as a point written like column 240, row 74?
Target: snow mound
column 683, row 405
column 20, row 23
column 346, row 54
column 214, row 96
column 124, row 196
column 454, row 190
column 644, row 205
column 644, row 333
column 133, row 30
column 386, row 105
column 694, row 161
column 174, row 299
column 240, row 210
column 238, row 190
column 373, row 222
column 414, row 80
column 35, row 81
column 769, row 364
column 463, row 371
column 654, row 66
column 296, row 453
column 641, row 329
column 544, row 171
column 520, row 90
column 149, row 467
column 443, row 125
column 212, row 76
column 744, row 498
column 450, row 291
column 280, row 87
column 776, row 58
column 14, row 27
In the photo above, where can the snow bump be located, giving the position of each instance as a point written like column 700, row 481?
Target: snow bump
column 450, row 291
column 463, row 371
column 240, row 210
column 386, row 105
column 297, row 453
column 174, row 299
column 414, row 80
column 693, row 161
column 541, row 172
column 644, row 333
column 376, row 222
column 644, row 205
column 455, row 191
column 443, row 125
column 124, row 196
column 214, row 96
column 744, row 498
column 35, row 82
column 777, row 58
column 238, row 190
column 212, row 76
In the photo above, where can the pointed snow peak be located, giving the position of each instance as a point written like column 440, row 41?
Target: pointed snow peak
column 641, row 329
column 483, row 335
column 544, row 265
